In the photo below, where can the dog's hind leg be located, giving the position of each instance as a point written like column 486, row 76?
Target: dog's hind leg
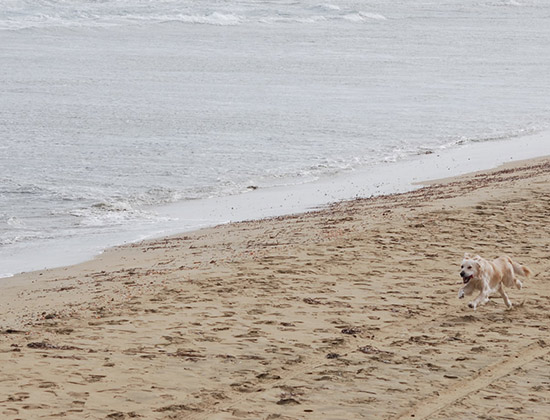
column 504, row 296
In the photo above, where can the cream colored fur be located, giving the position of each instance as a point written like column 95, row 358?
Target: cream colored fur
column 488, row 277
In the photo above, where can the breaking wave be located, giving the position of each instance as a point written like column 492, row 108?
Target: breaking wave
column 22, row 14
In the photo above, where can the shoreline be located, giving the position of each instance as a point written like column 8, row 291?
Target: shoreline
column 347, row 311
column 110, row 254
column 388, row 178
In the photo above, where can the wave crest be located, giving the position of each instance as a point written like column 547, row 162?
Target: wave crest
column 57, row 13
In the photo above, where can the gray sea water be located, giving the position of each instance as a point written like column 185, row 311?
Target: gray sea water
column 111, row 110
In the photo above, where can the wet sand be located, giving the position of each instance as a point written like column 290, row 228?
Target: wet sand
column 345, row 313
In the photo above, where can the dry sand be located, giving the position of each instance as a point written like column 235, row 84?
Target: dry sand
column 345, row 313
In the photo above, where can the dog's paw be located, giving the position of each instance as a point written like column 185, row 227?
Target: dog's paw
column 461, row 294
column 472, row 305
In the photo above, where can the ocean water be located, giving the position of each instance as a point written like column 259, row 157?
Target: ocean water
column 113, row 111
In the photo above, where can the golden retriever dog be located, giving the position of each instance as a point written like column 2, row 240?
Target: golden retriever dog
column 488, row 277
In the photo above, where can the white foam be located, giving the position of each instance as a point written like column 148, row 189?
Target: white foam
column 375, row 16
column 15, row 222
column 80, row 14
column 328, row 7
column 512, row 3
column 215, row 18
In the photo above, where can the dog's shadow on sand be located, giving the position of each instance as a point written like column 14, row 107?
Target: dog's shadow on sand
column 492, row 311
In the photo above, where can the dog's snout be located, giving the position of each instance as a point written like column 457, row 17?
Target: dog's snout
column 462, row 274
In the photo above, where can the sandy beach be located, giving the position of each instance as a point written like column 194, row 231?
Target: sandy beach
column 347, row 312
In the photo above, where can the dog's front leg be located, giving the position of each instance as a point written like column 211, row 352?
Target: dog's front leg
column 467, row 290
column 482, row 298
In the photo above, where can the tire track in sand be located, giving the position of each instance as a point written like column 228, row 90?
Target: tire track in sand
column 425, row 408
column 483, row 379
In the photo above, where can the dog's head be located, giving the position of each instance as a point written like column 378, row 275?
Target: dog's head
column 469, row 268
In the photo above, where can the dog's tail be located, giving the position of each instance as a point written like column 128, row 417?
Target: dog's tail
column 520, row 270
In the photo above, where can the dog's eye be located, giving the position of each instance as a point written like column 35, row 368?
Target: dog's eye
column 469, row 267
column 461, row 266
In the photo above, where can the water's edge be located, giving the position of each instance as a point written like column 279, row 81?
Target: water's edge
column 382, row 179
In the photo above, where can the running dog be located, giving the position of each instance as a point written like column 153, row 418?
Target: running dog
column 488, row 277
